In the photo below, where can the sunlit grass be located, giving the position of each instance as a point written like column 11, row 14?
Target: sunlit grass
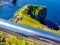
column 27, row 20
column 14, row 40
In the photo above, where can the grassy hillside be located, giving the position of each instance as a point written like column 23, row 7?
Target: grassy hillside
column 23, row 17
column 27, row 20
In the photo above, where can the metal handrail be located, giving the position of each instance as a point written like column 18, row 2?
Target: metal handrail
column 29, row 33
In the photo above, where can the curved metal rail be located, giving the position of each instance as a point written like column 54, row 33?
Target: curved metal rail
column 29, row 33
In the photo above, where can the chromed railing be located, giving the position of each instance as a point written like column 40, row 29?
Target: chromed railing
column 29, row 33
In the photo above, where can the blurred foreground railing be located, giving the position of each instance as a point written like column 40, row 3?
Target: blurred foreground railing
column 32, row 34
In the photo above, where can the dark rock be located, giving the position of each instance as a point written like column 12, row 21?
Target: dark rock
column 51, row 25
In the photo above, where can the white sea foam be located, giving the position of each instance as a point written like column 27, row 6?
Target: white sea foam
column 3, row 2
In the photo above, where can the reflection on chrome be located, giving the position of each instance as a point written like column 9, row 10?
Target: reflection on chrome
column 29, row 33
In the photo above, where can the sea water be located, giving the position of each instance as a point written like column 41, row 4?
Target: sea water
column 53, row 9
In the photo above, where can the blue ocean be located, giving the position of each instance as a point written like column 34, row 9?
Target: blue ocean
column 53, row 9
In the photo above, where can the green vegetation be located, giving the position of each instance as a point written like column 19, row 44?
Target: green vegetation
column 8, row 39
column 23, row 17
column 27, row 20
